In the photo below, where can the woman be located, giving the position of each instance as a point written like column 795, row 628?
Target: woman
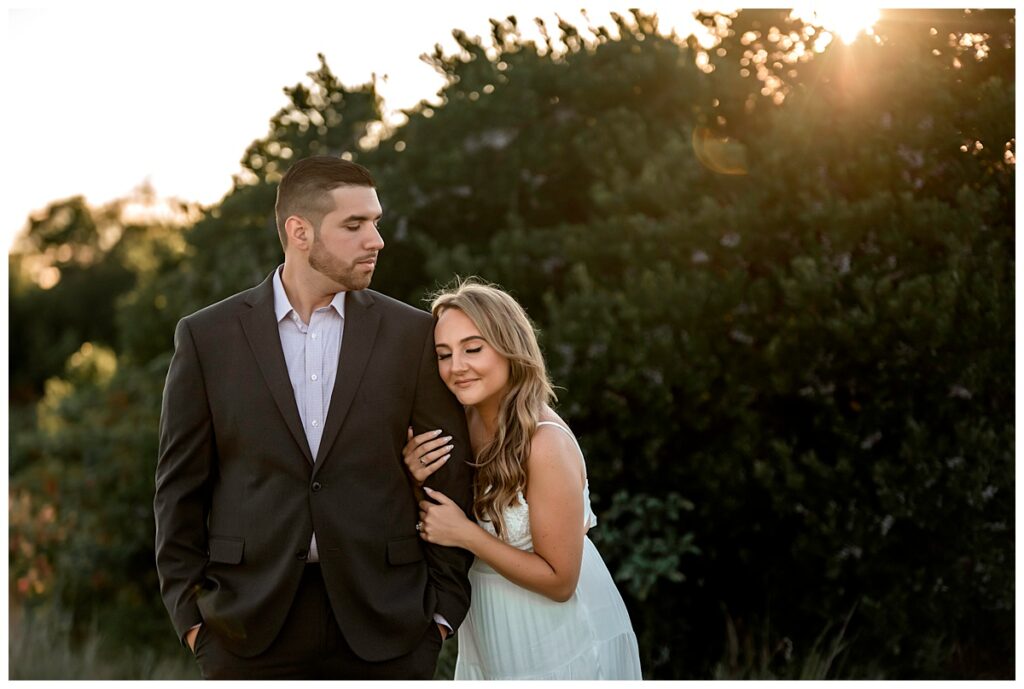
column 544, row 605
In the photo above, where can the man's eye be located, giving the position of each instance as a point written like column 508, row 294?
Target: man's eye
column 354, row 228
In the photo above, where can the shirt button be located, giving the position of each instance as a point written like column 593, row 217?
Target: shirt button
column 313, row 377
column 313, row 336
column 316, row 486
column 315, row 422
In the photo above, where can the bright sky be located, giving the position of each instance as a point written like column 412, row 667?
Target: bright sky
column 104, row 96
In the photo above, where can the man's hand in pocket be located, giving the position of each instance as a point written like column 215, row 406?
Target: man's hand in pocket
column 190, row 638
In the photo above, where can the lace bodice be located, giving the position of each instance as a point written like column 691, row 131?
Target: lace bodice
column 517, row 517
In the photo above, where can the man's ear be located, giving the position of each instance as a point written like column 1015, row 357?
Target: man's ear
column 300, row 234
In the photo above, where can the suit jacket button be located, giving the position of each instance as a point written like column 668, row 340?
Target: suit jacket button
column 301, row 555
column 316, row 486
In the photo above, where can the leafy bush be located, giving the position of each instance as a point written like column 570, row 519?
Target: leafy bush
column 81, row 521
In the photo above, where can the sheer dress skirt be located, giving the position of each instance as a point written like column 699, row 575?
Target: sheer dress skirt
column 513, row 633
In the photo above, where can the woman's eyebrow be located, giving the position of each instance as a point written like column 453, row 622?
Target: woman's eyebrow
column 462, row 341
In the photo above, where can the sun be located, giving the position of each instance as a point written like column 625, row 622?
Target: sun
column 845, row 21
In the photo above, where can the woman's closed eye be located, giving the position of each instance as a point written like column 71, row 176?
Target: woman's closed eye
column 441, row 356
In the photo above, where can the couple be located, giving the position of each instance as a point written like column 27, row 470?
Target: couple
column 289, row 543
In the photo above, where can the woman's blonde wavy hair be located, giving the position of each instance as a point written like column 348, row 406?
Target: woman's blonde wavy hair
column 500, row 465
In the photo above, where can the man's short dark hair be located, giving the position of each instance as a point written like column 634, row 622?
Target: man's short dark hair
column 306, row 186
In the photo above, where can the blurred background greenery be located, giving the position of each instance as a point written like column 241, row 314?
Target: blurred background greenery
column 775, row 285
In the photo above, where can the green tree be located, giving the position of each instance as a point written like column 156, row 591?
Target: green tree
column 68, row 273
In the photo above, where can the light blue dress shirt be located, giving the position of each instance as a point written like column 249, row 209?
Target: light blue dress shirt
column 311, row 354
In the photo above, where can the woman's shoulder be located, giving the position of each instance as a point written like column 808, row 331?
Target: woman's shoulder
column 553, row 450
column 553, row 469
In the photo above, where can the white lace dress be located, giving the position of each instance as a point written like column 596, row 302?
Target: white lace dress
column 513, row 633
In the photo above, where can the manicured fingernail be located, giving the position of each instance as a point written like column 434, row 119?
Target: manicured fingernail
column 437, row 432
column 448, row 447
column 446, row 458
column 427, row 489
column 447, row 438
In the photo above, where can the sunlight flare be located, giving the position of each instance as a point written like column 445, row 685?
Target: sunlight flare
column 846, row 21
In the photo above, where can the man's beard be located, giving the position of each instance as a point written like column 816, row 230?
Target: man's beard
column 332, row 267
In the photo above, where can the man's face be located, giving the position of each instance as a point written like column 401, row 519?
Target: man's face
column 346, row 246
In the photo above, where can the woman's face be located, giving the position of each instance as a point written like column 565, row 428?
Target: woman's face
column 468, row 364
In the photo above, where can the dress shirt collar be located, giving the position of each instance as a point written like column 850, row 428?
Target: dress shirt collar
column 282, row 306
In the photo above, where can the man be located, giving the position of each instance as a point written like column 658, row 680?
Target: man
column 286, row 538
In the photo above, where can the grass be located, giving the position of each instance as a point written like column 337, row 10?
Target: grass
column 41, row 646
column 756, row 656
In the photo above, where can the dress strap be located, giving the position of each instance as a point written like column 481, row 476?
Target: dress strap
column 589, row 518
column 569, row 433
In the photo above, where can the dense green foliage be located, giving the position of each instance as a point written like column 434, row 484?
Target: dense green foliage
column 775, row 285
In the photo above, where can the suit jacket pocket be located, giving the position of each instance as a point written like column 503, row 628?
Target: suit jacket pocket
column 403, row 551
column 226, row 549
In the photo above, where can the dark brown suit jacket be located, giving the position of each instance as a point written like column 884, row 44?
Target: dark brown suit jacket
column 238, row 494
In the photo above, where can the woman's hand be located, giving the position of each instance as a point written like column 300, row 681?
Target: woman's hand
column 426, row 453
column 444, row 522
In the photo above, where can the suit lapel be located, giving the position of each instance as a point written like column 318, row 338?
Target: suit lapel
column 261, row 330
column 361, row 322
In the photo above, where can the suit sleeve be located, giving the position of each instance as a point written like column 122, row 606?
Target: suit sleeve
column 435, row 407
column 185, row 464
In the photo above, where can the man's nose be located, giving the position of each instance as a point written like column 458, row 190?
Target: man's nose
column 374, row 241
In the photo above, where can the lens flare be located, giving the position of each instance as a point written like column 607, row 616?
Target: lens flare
column 722, row 155
column 846, row 21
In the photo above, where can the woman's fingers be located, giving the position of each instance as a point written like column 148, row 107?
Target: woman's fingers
column 423, row 443
column 438, row 496
column 414, row 441
column 426, row 452
column 431, row 447
column 421, row 468
column 421, row 471
column 421, row 526
column 434, row 455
